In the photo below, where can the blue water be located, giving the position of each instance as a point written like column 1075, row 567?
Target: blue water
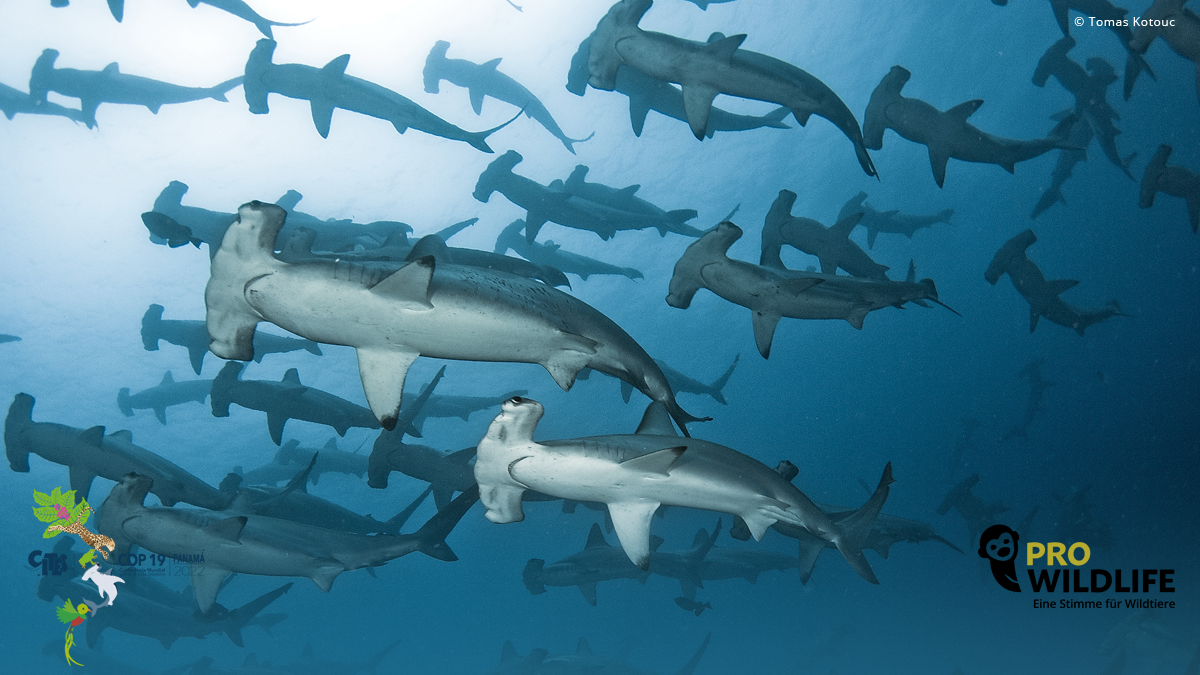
column 77, row 272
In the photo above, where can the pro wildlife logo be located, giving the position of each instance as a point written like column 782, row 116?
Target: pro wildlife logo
column 998, row 544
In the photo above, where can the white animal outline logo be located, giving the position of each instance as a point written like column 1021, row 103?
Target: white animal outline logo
column 107, row 583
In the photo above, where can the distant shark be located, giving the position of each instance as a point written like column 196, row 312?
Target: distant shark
column 286, row 400
column 1178, row 26
column 193, row 336
column 1176, row 181
column 1037, row 391
column 598, row 561
column 259, row 544
column 329, row 460
column 539, row 662
column 439, row 311
column 166, row 394
column 704, row 70
column 485, row 80
column 329, row 87
column 1042, row 294
column 93, row 87
column 979, row 516
column 635, row 474
column 685, row 384
column 646, row 93
column 626, row 199
column 947, row 134
column 831, row 245
column 89, row 453
column 14, row 102
column 1080, row 137
column 1115, row 18
column 237, row 8
column 8, row 338
column 550, row 254
column 891, row 222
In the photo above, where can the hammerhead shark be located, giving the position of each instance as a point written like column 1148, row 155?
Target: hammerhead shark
column 89, row 453
column 831, row 245
column 947, row 134
column 555, row 204
column 635, row 474
column 582, row 661
column 626, row 199
column 598, row 561
column 1037, row 391
column 1114, row 18
column 166, row 394
column 425, row 308
column 1176, row 181
column 1042, row 294
column 93, row 87
column 978, row 515
column 260, row 544
column 550, row 254
column 704, row 70
column 4, row 337
column 1177, row 25
column 1080, row 137
column 237, row 8
column 286, row 400
column 772, row 293
column 891, row 222
column 329, row 460
column 1090, row 89
column 14, row 102
column 646, row 93
column 483, row 80
column 683, row 383
column 193, row 336
column 330, row 87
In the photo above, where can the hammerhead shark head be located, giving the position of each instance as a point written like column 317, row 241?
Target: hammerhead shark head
column 166, row 394
column 635, row 474
column 772, row 293
column 1176, row 181
column 550, row 254
column 482, row 80
column 1114, row 18
column 89, row 453
column 1174, row 23
column 1037, row 391
column 193, row 336
column 646, row 93
column 4, row 337
column 93, row 87
column 1090, row 89
column 260, row 544
column 598, row 561
column 330, row 87
column 947, row 134
column 1041, row 294
column 831, row 245
column 285, row 400
column 892, row 222
column 462, row 313
column 704, row 70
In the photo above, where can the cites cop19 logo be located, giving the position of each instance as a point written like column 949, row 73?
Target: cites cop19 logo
column 1063, row 569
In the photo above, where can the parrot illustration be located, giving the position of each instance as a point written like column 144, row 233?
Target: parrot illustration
column 73, row 616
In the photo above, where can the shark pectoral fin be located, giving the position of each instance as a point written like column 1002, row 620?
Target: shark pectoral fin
column 383, row 371
column 503, row 502
column 764, row 331
column 1059, row 286
column 938, row 157
column 857, row 316
column 565, row 363
column 697, row 104
column 476, row 100
column 206, row 582
column 81, row 479
column 275, row 422
column 1033, row 319
column 322, row 114
column 828, row 265
column 759, row 521
column 324, row 576
column 871, row 234
column 409, row 285
column 589, row 592
column 161, row 413
column 196, row 354
column 658, row 462
column 632, row 523
column 638, row 109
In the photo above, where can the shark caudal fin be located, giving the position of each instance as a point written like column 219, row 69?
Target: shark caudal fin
column 1153, row 175
column 218, row 92
column 857, row 527
column 19, row 421
column 478, row 139
column 393, row 524
column 432, row 535
column 372, row 665
column 690, row 667
column 718, row 387
column 238, row 618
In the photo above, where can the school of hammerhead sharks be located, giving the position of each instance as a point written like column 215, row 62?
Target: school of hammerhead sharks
column 370, row 287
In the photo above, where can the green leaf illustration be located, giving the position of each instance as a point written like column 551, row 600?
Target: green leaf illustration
column 42, row 498
column 46, row 514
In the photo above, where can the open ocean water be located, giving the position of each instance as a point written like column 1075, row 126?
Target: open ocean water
column 1109, row 455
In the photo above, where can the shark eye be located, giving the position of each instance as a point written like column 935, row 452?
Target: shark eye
column 516, row 400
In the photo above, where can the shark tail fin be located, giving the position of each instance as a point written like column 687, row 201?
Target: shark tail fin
column 393, row 524
column 218, row 92
column 312, row 347
column 857, row 527
column 690, row 667
column 1135, row 63
column 19, row 420
column 718, row 386
column 242, row 615
column 373, row 664
column 532, row 576
column 432, row 535
column 1061, row 133
column 774, row 119
column 123, row 402
column 570, row 142
column 478, row 139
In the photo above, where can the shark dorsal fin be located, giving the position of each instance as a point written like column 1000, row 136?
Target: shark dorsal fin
column 230, row 528
column 595, row 538
column 962, row 111
column 912, row 272
column 535, row 658
column 583, row 648
column 508, row 652
column 123, row 435
column 112, row 68
column 337, row 66
column 656, row 421
column 430, row 245
column 701, row 538
column 410, row 283
column 630, row 190
column 490, row 65
column 167, row 379
column 292, row 378
column 93, row 436
column 655, row 542
column 1060, row 285
column 657, row 462
column 724, row 47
